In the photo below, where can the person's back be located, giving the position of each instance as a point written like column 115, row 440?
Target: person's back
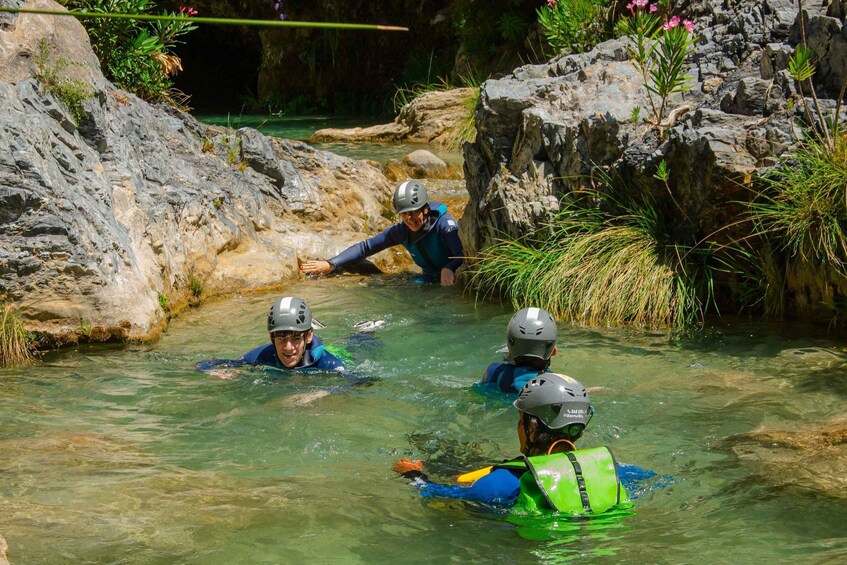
column 552, row 475
column 531, row 341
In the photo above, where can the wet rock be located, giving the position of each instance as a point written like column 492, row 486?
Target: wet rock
column 433, row 117
column 100, row 222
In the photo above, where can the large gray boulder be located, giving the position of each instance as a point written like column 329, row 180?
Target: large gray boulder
column 102, row 219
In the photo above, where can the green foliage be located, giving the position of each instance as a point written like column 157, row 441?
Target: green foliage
column 595, row 266
column 802, row 210
column 574, row 26
column 15, row 341
column 511, row 27
column 218, row 202
column 195, row 285
column 800, row 64
column 164, row 302
column 85, row 327
column 467, row 128
column 71, row 93
column 636, row 114
column 659, row 54
column 137, row 56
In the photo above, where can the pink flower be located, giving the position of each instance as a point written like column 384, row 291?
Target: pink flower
column 640, row 3
column 670, row 24
column 551, row 3
column 689, row 25
column 653, row 8
column 187, row 11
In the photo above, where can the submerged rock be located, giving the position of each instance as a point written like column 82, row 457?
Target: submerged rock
column 812, row 458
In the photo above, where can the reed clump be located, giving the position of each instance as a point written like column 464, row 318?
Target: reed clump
column 615, row 265
column 15, row 341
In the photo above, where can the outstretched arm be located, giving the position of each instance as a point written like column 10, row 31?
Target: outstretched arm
column 498, row 488
column 390, row 237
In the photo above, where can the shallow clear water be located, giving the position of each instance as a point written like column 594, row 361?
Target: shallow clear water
column 301, row 127
column 127, row 455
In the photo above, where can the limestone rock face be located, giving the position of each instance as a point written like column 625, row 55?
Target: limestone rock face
column 100, row 220
column 544, row 130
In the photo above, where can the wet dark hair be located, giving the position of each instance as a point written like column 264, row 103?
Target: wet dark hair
column 544, row 436
column 533, row 362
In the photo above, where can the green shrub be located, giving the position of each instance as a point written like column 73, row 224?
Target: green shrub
column 595, row 266
column 137, row 56
column 71, row 93
column 164, row 302
column 801, row 211
column 15, row 341
column 574, row 26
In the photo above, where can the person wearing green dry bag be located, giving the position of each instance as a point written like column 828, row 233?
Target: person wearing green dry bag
column 552, row 476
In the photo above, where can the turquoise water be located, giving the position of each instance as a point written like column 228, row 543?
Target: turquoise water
column 125, row 454
column 301, row 127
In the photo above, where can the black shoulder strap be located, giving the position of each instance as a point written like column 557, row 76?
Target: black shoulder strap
column 580, row 481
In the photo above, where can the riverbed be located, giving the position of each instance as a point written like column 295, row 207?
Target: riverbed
column 127, row 454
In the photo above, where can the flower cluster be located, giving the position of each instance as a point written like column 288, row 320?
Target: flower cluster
column 641, row 5
column 187, row 11
column 551, row 3
column 658, row 52
column 675, row 21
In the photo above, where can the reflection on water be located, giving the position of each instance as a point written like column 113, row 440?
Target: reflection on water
column 301, row 127
column 126, row 454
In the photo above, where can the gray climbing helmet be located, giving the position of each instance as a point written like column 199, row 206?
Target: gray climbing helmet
column 531, row 333
column 290, row 314
column 557, row 400
column 409, row 196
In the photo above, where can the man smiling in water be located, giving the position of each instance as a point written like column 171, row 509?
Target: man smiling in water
column 427, row 231
column 293, row 343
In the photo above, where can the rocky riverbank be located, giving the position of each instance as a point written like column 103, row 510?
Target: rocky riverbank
column 112, row 222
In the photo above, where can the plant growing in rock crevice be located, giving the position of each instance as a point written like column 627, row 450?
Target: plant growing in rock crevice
column 15, row 341
column 71, row 93
column 659, row 54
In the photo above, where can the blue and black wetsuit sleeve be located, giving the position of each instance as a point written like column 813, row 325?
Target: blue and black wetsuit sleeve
column 388, row 238
column 498, row 488
column 448, row 231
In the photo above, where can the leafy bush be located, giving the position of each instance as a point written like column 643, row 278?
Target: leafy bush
column 137, row 56
column 574, row 26
column 801, row 210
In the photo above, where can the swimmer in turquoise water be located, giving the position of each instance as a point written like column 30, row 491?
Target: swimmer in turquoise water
column 552, row 475
column 531, row 342
column 293, row 345
column 427, row 231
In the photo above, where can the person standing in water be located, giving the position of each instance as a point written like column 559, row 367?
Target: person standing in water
column 427, row 231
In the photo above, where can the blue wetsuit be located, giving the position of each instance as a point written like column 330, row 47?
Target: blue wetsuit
column 435, row 247
column 315, row 356
column 508, row 377
column 501, row 487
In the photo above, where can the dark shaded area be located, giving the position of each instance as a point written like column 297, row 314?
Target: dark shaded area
column 220, row 67
column 306, row 70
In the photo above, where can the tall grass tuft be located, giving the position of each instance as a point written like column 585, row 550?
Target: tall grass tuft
column 15, row 341
column 594, row 266
column 802, row 209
